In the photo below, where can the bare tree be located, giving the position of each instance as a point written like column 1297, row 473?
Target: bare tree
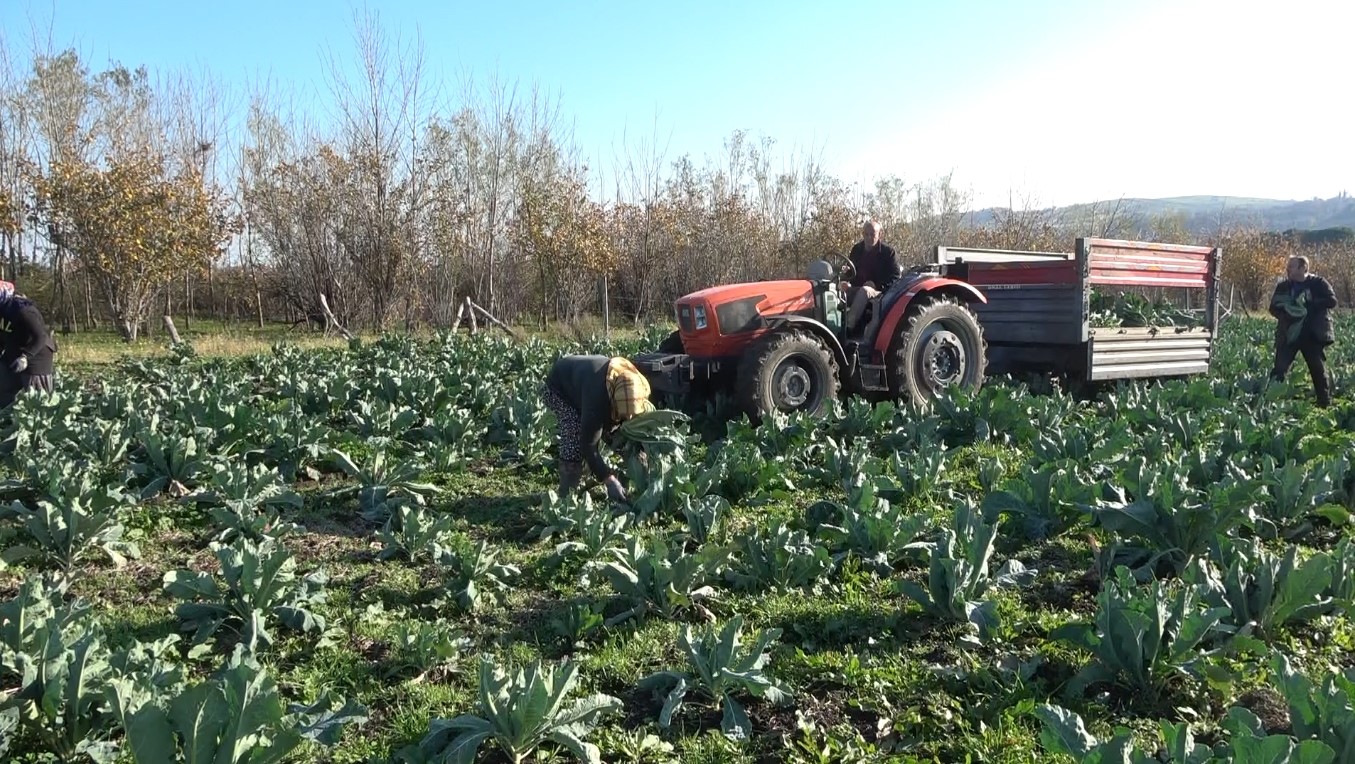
column 376, row 113
column 15, row 145
column 195, row 115
column 644, row 222
column 501, row 137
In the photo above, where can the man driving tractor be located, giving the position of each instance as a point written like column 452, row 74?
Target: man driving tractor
column 875, row 268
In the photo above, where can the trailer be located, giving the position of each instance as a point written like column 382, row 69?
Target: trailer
column 1037, row 316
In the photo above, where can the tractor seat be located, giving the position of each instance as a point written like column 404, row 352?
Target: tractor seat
column 820, row 270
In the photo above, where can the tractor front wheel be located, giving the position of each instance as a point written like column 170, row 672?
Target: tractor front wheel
column 786, row 371
column 939, row 346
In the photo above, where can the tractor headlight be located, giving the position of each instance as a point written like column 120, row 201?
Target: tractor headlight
column 700, row 312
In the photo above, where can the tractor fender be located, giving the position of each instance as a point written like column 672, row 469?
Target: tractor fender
column 818, row 329
column 961, row 290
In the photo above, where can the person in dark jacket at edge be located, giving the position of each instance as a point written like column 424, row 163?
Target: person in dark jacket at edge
column 1300, row 304
column 876, row 268
column 28, row 346
column 591, row 395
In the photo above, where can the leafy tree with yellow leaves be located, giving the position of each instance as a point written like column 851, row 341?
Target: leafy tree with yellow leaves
column 10, row 220
column 567, row 236
column 133, row 226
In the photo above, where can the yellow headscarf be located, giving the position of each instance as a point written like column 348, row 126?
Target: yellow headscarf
column 628, row 389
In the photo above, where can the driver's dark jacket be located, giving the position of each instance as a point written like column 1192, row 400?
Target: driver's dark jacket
column 1317, row 325
column 880, row 267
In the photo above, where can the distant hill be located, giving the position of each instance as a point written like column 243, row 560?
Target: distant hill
column 1202, row 214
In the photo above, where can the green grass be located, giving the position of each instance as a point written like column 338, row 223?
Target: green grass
column 86, row 352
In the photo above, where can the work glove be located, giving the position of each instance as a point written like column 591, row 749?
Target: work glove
column 19, row 364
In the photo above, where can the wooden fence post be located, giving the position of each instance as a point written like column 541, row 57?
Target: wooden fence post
column 606, row 311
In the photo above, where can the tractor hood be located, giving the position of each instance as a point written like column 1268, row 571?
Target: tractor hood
column 737, row 308
column 718, row 295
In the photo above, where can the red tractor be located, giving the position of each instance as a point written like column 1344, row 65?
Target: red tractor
column 781, row 345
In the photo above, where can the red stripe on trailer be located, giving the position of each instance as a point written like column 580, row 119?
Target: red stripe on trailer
column 1035, row 273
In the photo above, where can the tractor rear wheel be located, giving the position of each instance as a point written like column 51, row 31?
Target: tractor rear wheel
column 941, row 345
column 786, row 371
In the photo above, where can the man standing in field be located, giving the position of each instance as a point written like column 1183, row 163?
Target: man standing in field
column 876, row 269
column 1300, row 304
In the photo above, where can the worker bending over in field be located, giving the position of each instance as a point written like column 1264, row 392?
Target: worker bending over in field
column 591, row 394
column 1301, row 303
column 27, row 346
column 877, row 268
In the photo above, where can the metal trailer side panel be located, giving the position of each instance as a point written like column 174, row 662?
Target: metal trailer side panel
column 1032, row 320
column 1112, row 262
column 1121, row 353
column 1031, row 327
column 1214, row 294
column 1032, row 297
column 951, row 255
column 1036, row 314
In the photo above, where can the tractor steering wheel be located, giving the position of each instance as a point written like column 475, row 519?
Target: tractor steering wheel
column 848, row 271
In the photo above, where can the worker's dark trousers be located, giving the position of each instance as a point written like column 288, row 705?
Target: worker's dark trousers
column 1316, row 357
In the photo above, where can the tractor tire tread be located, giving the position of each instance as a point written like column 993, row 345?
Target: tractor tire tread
column 768, row 351
column 901, row 383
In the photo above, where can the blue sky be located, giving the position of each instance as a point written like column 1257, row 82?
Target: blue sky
column 1046, row 101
